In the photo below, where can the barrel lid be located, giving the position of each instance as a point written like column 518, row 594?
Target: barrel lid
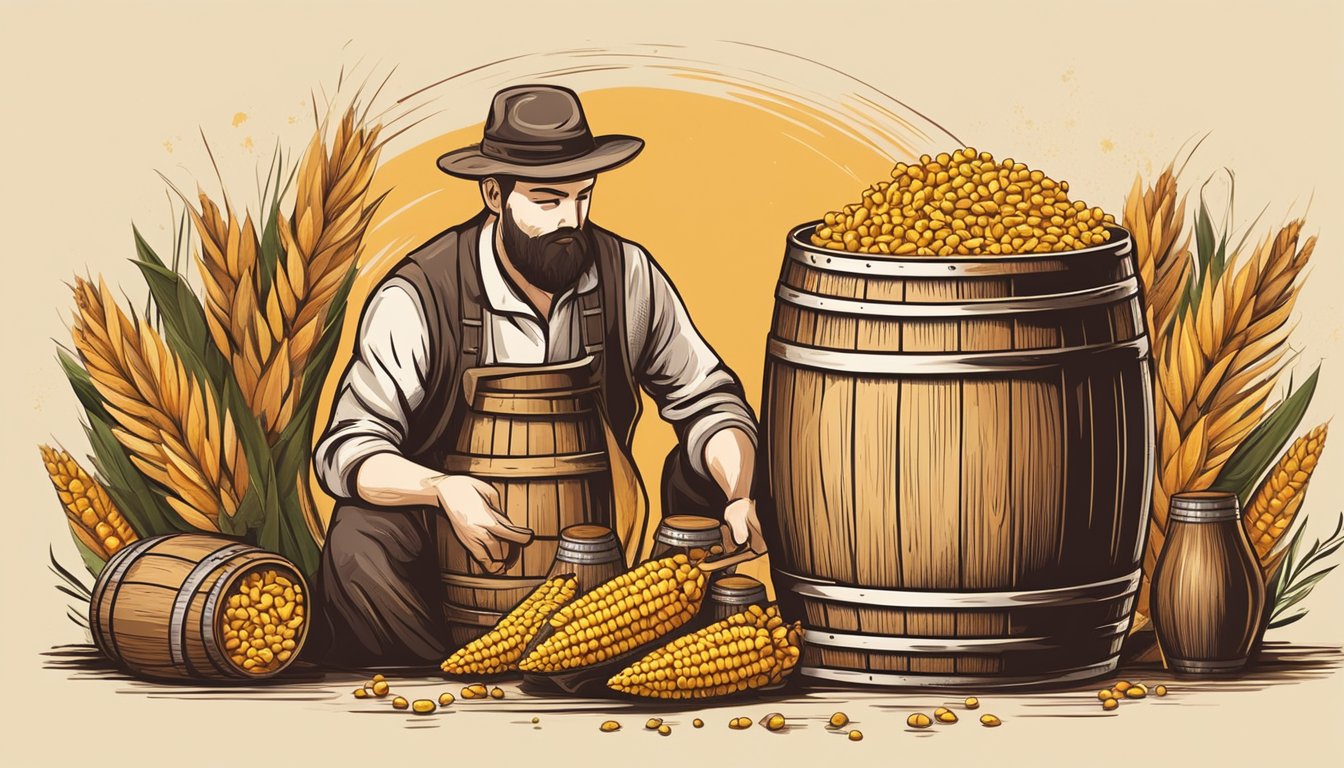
column 1204, row 506
column 688, row 530
column 736, row 589
column 586, row 532
column 587, row 538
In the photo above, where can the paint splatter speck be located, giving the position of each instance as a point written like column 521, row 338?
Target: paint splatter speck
column 239, row 118
column 1107, row 145
column 247, row 144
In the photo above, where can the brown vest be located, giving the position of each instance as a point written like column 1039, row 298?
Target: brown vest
column 446, row 274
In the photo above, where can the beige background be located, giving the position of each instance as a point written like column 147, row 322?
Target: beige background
column 98, row 97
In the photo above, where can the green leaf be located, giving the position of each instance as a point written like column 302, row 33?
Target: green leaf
column 82, row 385
column 92, row 561
column 183, row 317
column 1258, row 452
column 1287, row 621
column 85, row 592
column 136, row 497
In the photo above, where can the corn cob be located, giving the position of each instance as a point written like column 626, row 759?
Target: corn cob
column 93, row 517
column 1280, row 495
column 500, row 649
column 751, row 649
column 621, row 614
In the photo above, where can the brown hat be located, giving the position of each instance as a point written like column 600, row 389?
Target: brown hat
column 539, row 132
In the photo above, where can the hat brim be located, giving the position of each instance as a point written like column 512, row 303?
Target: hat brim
column 610, row 152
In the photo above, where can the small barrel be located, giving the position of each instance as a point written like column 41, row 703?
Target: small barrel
column 1207, row 619
column 591, row 552
column 169, row 608
column 733, row 594
column 683, row 533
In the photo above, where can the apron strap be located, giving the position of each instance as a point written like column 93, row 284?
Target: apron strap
column 592, row 329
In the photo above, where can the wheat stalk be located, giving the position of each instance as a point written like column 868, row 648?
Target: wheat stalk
column 322, row 240
column 1154, row 219
column 1216, row 369
column 169, row 424
column 269, row 333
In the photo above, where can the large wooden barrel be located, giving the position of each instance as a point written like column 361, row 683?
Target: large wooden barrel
column 535, row 434
column 161, row 607
column 959, row 453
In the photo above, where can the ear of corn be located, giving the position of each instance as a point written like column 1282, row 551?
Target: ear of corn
column 500, row 649
column 751, row 649
column 620, row 615
column 1279, row 497
column 93, row 518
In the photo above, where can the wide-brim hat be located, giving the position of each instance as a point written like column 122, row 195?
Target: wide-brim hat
column 539, row 132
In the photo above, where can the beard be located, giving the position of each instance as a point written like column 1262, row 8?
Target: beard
column 553, row 261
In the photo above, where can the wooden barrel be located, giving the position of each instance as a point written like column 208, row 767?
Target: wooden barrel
column 959, row 453
column 159, row 608
column 535, row 434
column 733, row 594
column 591, row 552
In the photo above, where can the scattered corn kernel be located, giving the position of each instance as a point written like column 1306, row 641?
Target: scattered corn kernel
column 740, row 723
column 496, row 693
column 653, row 723
column 698, row 723
column 361, row 693
column 838, row 720
column 1137, row 691
column 665, row 730
column 990, row 721
column 944, row 715
column 918, row 720
column 609, row 726
column 380, row 688
column 1161, row 690
column 536, row 720
column 1110, row 704
column 972, row 703
column 400, row 703
column 379, row 678
column 445, row 699
column 856, row 735
column 773, row 721
column 1105, row 694
column 422, row 706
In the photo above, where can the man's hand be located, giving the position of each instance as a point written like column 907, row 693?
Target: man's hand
column 473, row 509
column 743, row 525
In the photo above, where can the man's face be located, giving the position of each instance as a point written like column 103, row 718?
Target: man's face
column 542, row 226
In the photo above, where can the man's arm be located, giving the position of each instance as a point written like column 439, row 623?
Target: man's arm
column 359, row 454
column 696, row 393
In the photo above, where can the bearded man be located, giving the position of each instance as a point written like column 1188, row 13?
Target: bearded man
column 519, row 283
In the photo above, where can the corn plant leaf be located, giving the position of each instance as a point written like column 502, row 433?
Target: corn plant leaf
column 183, row 317
column 1258, row 452
column 1275, row 624
column 137, row 498
column 92, row 561
column 84, row 591
column 82, row 384
column 270, row 247
column 1297, row 584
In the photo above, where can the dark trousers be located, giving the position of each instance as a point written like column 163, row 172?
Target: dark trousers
column 379, row 594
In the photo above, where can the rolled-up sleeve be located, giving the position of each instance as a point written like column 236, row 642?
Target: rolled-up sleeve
column 381, row 387
column 695, row 392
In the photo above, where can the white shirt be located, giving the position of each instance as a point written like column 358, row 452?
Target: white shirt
column 385, row 381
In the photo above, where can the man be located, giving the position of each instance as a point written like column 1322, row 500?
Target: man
column 513, row 285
